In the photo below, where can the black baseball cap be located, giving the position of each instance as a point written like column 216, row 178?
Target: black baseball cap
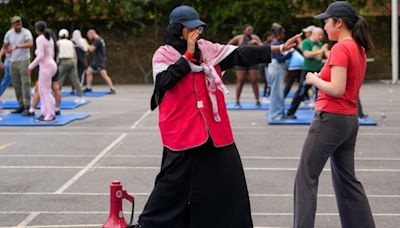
column 187, row 16
column 339, row 9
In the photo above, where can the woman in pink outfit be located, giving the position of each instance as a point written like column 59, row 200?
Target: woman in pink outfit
column 47, row 69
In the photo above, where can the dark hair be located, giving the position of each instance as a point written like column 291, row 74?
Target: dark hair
column 267, row 34
column 41, row 26
column 359, row 31
column 277, row 30
column 245, row 26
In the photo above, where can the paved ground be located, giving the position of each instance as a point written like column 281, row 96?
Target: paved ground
column 59, row 176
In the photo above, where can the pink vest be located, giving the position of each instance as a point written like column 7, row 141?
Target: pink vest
column 185, row 115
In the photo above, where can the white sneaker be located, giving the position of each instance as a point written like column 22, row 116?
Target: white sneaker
column 311, row 104
column 265, row 100
column 80, row 100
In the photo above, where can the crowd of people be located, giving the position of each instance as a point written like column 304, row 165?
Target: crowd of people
column 285, row 69
column 201, row 182
column 56, row 59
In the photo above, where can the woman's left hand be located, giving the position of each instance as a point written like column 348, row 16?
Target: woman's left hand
column 28, row 72
column 311, row 77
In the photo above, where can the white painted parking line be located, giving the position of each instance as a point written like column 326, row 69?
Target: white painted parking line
column 28, row 219
column 144, row 194
column 138, row 212
column 159, row 156
column 91, row 164
column 2, row 147
column 141, row 119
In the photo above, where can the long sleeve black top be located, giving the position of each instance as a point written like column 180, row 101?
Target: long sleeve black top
column 243, row 56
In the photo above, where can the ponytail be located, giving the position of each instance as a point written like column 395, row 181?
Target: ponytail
column 361, row 35
column 47, row 33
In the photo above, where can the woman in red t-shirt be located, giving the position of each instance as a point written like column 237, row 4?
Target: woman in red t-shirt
column 333, row 132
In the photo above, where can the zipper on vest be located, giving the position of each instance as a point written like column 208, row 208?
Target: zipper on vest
column 198, row 102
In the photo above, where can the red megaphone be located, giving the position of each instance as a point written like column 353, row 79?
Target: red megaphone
column 116, row 217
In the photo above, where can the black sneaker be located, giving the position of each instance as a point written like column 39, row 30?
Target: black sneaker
column 291, row 117
column 26, row 112
column 258, row 104
column 72, row 92
column 87, row 90
column 58, row 113
column 363, row 116
column 18, row 110
column 112, row 91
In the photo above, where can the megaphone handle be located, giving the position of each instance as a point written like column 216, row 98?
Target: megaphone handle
column 131, row 220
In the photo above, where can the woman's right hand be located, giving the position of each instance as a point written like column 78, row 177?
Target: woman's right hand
column 193, row 36
column 290, row 43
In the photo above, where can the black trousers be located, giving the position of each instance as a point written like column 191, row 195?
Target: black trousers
column 292, row 76
column 300, row 95
column 331, row 136
column 203, row 187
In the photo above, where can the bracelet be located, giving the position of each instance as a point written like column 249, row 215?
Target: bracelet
column 281, row 48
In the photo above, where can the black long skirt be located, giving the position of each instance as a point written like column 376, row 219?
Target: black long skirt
column 203, row 187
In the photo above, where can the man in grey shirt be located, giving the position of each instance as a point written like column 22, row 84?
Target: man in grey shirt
column 17, row 42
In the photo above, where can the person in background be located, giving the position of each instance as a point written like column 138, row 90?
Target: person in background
column 201, row 182
column 81, row 49
column 276, row 74
column 5, row 82
column 268, row 38
column 245, row 39
column 308, row 31
column 67, row 63
column 294, row 68
column 55, row 86
column 313, row 51
column 333, row 132
column 45, row 52
column 18, row 42
column 98, row 47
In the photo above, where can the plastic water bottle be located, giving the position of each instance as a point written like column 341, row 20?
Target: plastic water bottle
column 383, row 118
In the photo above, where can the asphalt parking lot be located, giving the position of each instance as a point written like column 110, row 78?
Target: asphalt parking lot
column 60, row 176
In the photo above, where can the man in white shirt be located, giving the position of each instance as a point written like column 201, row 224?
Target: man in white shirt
column 67, row 63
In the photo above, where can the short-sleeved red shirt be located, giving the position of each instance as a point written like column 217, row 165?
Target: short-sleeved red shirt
column 350, row 55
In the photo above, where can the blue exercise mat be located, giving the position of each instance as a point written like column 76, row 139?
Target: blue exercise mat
column 251, row 105
column 64, row 104
column 290, row 94
column 367, row 122
column 305, row 118
column 86, row 94
column 19, row 120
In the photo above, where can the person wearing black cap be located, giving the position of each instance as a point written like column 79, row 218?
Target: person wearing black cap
column 201, row 183
column 333, row 131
